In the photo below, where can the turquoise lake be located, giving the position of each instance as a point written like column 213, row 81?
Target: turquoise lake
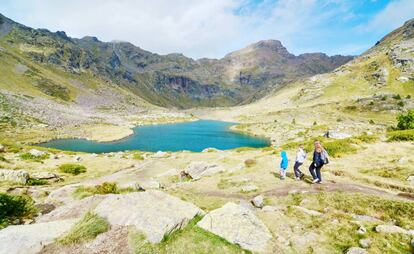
column 191, row 136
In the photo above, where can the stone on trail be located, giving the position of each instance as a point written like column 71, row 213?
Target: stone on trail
column 410, row 179
column 238, row 225
column 149, row 185
column 365, row 243
column 308, row 211
column 258, row 201
column 198, row 169
column 391, row 229
column 36, row 153
column 2, row 148
column 248, row 188
column 152, row 212
column 28, row 239
column 45, row 176
column 17, row 176
column 356, row 250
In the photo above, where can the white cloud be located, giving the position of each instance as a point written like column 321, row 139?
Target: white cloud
column 205, row 28
column 391, row 17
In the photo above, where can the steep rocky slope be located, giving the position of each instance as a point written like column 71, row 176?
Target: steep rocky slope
column 364, row 95
column 168, row 80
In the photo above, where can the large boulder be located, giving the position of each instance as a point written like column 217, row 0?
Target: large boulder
column 337, row 135
column 28, row 239
column 152, row 212
column 45, row 176
column 258, row 201
column 17, row 176
column 237, row 225
column 198, row 169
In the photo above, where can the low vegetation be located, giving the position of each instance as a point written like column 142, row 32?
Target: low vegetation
column 191, row 239
column 403, row 135
column 406, row 121
column 29, row 156
column 400, row 173
column 86, row 229
column 15, row 207
column 72, row 168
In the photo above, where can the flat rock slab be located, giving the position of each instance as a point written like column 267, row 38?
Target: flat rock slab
column 17, row 176
column 28, row 239
column 152, row 212
column 76, row 209
column 199, row 169
column 238, row 225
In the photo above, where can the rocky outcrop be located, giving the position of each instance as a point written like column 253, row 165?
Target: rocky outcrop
column 52, row 177
column 356, row 250
column 199, row 169
column 17, row 176
column 392, row 229
column 28, row 239
column 237, row 225
column 154, row 213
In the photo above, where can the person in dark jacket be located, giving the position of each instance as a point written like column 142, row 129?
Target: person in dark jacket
column 320, row 158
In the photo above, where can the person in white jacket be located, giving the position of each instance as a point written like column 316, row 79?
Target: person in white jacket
column 300, row 158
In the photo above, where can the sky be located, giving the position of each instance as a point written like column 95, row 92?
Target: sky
column 213, row 28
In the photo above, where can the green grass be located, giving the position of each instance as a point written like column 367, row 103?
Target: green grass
column 227, row 183
column 72, row 168
column 400, row 173
column 105, row 188
column 15, row 207
column 335, row 147
column 86, row 229
column 190, row 240
column 34, row 182
column 404, row 135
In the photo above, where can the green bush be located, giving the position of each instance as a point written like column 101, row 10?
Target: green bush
column 406, row 121
column 33, row 182
column 71, row 168
column 105, row 188
column 397, row 97
column 138, row 156
column 29, row 156
column 15, row 207
column 86, row 229
column 404, row 135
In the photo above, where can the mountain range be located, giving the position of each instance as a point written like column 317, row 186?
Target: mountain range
column 172, row 80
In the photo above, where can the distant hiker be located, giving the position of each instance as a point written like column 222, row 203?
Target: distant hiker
column 283, row 165
column 320, row 158
column 300, row 158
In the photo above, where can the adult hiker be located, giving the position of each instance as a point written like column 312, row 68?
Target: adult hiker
column 300, row 159
column 320, row 158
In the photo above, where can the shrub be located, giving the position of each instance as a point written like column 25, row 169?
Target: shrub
column 404, row 135
column 88, row 228
column 33, row 182
column 250, row 162
column 397, row 97
column 371, row 121
column 15, row 207
column 71, row 168
column 29, row 156
column 408, row 96
column 138, row 156
column 406, row 121
column 105, row 188
column 400, row 104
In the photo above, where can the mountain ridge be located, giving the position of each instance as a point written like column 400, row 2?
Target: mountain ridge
column 173, row 80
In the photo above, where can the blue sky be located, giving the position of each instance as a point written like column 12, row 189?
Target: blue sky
column 213, row 28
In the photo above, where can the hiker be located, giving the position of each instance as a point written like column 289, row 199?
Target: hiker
column 300, row 159
column 320, row 158
column 283, row 165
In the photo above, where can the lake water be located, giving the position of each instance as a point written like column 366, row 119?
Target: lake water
column 192, row 136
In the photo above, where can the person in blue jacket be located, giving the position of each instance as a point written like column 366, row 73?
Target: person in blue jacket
column 283, row 165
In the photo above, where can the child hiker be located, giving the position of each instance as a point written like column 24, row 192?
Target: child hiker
column 283, row 165
column 300, row 158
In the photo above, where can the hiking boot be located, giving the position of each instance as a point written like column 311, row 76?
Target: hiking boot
column 298, row 178
column 315, row 180
column 282, row 178
column 319, row 182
